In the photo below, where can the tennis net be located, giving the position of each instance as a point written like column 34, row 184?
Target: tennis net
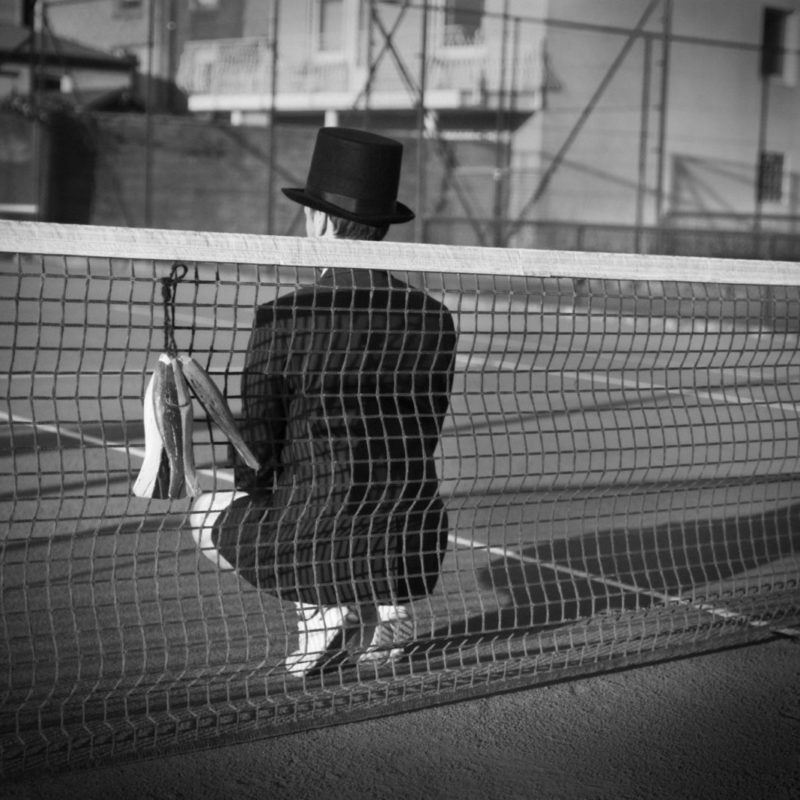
column 618, row 461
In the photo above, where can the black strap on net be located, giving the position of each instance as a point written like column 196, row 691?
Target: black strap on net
column 168, row 286
column 203, row 387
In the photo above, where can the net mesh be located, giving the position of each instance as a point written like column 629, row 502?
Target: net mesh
column 618, row 461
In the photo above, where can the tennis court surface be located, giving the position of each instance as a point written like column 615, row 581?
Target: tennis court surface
column 619, row 464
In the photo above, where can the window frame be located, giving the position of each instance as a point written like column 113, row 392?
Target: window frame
column 786, row 74
column 317, row 51
column 783, row 184
column 478, row 41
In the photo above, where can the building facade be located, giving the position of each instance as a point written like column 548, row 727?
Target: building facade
column 35, row 59
column 605, row 112
column 698, row 123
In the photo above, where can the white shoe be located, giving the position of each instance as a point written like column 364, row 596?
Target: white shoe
column 323, row 634
column 390, row 629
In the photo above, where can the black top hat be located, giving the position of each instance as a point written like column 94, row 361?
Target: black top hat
column 354, row 174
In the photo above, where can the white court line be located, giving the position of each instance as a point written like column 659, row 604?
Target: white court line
column 662, row 597
column 66, row 432
column 734, row 397
column 481, row 363
column 179, row 316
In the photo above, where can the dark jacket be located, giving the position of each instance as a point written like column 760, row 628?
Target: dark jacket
column 345, row 389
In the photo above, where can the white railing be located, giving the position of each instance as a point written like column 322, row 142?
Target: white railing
column 226, row 66
column 244, row 66
column 484, row 73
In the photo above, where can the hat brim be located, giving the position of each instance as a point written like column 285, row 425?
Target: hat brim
column 401, row 213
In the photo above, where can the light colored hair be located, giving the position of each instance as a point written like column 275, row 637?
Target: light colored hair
column 347, row 229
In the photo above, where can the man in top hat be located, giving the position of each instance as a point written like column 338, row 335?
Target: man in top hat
column 345, row 389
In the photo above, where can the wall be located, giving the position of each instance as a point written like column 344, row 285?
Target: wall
column 597, row 179
column 713, row 109
column 211, row 176
column 208, row 177
column 203, row 176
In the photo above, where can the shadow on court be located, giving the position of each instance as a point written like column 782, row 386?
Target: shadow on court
column 559, row 582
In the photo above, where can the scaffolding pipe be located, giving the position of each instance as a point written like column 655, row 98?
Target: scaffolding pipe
column 172, row 56
column 419, row 221
column 367, row 90
column 512, row 108
column 272, row 119
column 763, row 117
column 387, row 47
column 34, row 87
column 148, row 158
column 641, row 186
column 662, row 126
column 500, row 123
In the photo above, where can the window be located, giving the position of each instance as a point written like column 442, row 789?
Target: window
column 463, row 21
column 779, row 44
column 770, row 177
column 213, row 19
column 329, row 26
column 129, row 8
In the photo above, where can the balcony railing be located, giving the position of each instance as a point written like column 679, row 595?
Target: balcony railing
column 228, row 67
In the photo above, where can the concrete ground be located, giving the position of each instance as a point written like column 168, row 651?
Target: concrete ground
column 723, row 725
